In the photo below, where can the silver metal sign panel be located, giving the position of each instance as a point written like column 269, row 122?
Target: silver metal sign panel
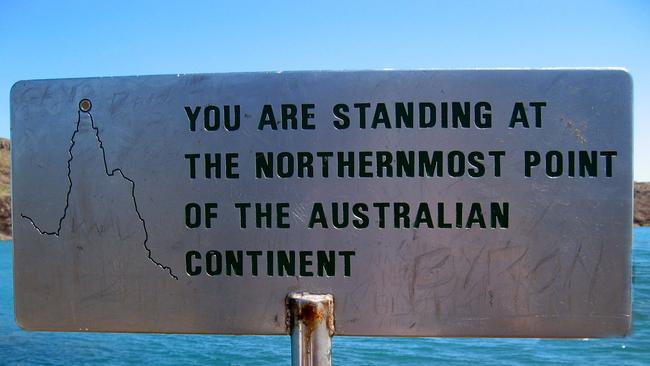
column 428, row 203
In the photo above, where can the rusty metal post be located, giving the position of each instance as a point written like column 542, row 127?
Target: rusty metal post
column 310, row 321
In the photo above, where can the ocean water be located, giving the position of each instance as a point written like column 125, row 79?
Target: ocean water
column 18, row 347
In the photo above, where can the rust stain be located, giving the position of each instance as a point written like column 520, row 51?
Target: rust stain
column 310, row 313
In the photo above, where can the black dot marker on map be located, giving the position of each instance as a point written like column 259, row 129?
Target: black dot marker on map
column 85, row 105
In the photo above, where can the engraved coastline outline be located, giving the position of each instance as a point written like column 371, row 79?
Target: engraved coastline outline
column 85, row 106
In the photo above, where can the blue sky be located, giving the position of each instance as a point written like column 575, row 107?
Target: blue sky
column 61, row 39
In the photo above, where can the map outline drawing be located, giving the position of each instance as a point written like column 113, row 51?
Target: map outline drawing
column 85, row 106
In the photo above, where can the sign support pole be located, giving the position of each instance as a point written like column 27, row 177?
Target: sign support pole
column 310, row 321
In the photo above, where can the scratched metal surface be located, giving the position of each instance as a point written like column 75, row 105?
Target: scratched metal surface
column 100, row 237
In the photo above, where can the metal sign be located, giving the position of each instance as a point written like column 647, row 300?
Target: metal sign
column 428, row 203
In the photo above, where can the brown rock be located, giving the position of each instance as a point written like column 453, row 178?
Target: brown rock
column 5, row 189
column 642, row 204
column 5, row 218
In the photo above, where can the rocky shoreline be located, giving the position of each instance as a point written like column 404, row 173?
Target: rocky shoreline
column 641, row 195
column 5, row 189
column 642, row 204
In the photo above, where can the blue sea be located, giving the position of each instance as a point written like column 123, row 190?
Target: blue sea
column 18, row 347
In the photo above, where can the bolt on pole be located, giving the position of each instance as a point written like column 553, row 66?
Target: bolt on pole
column 310, row 322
